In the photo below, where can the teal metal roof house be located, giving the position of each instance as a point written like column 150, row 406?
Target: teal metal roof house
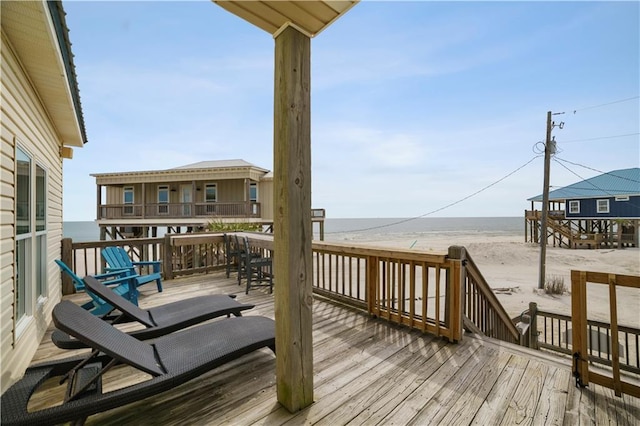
column 600, row 211
column 614, row 195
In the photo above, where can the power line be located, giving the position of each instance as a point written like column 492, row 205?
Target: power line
column 601, row 137
column 606, row 104
column 596, row 170
column 591, row 183
column 441, row 208
column 583, row 179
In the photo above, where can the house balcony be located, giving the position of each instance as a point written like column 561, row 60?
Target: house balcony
column 179, row 211
column 366, row 371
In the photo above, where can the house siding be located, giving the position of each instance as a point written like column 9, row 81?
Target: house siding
column 265, row 197
column 25, row 123
column 617, row 209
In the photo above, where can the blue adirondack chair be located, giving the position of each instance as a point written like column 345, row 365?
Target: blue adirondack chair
column 124, row 285
column 117, row 260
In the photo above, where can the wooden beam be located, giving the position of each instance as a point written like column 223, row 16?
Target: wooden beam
column 292, row 220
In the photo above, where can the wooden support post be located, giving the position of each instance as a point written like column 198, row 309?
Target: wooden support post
column 613, row 315
column 373, row 304
column 579, row 323
column 167, row 265
column 66, row 255
column 98, row 201
column 533, row 325
column 457, row 287
column 292, row 220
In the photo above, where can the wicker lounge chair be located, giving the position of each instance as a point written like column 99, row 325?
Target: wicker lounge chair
column 171, row 360
column 159, row 320
column 117, row 259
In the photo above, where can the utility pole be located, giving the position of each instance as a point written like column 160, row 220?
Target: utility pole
column 549, row 150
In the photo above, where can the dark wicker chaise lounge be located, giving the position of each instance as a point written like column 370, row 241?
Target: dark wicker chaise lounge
column 159, row 320
column 171, row 361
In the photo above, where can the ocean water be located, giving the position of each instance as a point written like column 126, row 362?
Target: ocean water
column 391, row 227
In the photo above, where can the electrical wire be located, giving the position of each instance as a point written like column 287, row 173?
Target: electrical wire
column 583, row 179
column 601, row 137
column 595, row 170
column 441, row 208
column 538, row 148
column 605, row 104
column 591, row 183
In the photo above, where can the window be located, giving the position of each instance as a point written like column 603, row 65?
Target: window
column 211, row 193
column 253, row 192
column 41, row 200
column 128, row 199
column 163, row 199
column 574, row 207
column 23, row 233
column 210, row 196
column 622, row 198
column 603, row 206
column 41, row 232
column 31, row 234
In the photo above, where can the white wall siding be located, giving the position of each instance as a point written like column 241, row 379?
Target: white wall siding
column 25, row 122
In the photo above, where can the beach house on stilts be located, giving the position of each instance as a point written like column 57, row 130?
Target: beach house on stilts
column 603, row 211
column 185, row 199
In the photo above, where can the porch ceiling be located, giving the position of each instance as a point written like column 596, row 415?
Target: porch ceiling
column 310, row 17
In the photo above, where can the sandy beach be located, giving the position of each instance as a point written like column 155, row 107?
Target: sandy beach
column 507, row 262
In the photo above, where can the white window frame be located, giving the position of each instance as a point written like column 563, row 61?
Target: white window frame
column 163, row 206
column 214, row 186
column 574, row 206
column 41, row 239
column 602, row 211
column 252, row 186
column 30, row 258
column 622, row 198
column 128, row 208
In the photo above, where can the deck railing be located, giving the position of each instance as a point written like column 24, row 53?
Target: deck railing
column 178, row 210
column 553, row 331
column 411, row 288
column 426, row 291
column 483, row 312
column 581, row 338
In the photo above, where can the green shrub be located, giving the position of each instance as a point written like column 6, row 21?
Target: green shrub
column 220, row 226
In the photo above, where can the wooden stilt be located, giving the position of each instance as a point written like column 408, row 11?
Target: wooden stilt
column 292, row 220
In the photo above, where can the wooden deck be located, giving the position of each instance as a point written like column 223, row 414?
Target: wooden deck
column 370, row 372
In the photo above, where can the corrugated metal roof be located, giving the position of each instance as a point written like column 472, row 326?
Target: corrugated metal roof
column 617, row 182
column 216, row 164
column 189, row 168
column 310, row 17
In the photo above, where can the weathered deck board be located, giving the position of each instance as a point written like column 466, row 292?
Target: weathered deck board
column 368, row 372
column 476, row 393
column 495, row 405
column 551, row 406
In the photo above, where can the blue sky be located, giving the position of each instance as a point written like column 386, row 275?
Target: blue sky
column 415, row 105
